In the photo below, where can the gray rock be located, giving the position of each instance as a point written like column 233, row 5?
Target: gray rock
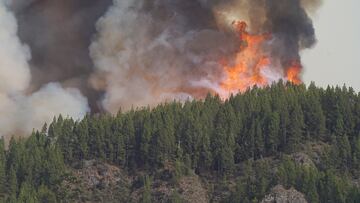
column 279, row 194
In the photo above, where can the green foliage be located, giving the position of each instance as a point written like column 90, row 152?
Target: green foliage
column 27, row 193
column 212, row 134
column 33, row 165
column 175, row 198
column 45, row 195
column 254, row 184
column 295, row 129
column 207, row 137
column 2, row 170
column 146, row 196
column 318, row 186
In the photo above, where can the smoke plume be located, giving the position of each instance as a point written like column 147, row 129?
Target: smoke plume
column 21, row 112
column 130, row 53
column 152, row 51
column 148, row 52
column 59, row 33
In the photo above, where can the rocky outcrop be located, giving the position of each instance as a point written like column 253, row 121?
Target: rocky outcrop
column 101, row 175
column 279, row 194
column 192, row 190
column 95, row 181
column 303, row 159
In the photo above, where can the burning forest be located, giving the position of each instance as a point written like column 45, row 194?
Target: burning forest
column 73, row 57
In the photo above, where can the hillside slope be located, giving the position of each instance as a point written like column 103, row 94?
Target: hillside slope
column 304, row 139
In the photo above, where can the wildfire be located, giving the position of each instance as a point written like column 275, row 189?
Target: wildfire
column 293, row 72
column 250, row 62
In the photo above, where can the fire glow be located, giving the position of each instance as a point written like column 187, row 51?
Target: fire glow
column 250, row 62
column 124, row 54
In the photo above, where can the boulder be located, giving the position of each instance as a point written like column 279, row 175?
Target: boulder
column 279, row 194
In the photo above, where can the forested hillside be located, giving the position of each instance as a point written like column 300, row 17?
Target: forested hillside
column 303, row 137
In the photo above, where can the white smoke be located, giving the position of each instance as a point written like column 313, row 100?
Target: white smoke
column 143, row 58
column 21, row 112
column 124, row 38
column 14, row 70
column 147, row 52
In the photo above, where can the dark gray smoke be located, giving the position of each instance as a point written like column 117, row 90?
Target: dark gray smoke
column 291, row 26
column 59, row 33
column 288, row 22
column 142, row 52
column 147, row 52
column 22, row 111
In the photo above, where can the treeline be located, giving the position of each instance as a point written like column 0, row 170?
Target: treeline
column 208, row 136
column 31, row 170
column 215, row 135
column 318, row 185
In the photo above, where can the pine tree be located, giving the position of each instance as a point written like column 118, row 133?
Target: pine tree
column 96, row 139
column 314, row 117
column 163, row 138
column 81, row 132
column 263, row 179
column 27, row 193
column 65, row 140
column 175, row 198
column 205, row 157
column 287, row 173
column 2, row 169
column 356, row 152
column 53, row 167
column 146, row 196
column 295, row 129
column 144, row 142
column 12, row 182
column 272, row 133
column 344, row 149
column 259, row 141
column 284, row 123
column 45, row 195
column 342, row 145
column 309, row 184
column 128, row 131
column 118, row 141
column 222, row 145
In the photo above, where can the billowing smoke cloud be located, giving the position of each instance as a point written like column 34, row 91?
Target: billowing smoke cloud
column 129, row 53
column 59, row 33
column 21, row 112
column 148, row 52
column 152, row 51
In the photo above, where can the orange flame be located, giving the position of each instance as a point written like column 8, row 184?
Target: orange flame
column 250, row 60
column 293, row 72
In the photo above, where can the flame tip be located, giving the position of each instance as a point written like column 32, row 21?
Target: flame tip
column 250, row 61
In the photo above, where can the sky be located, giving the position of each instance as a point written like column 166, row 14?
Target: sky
column 335, row 59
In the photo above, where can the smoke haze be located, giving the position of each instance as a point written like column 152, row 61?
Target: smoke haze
column 147, row 52
column 59, row 34
column 21, row 112
column 130, row 53
column 152, row 52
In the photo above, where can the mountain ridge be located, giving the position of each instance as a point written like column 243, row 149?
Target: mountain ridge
column 306, row 138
